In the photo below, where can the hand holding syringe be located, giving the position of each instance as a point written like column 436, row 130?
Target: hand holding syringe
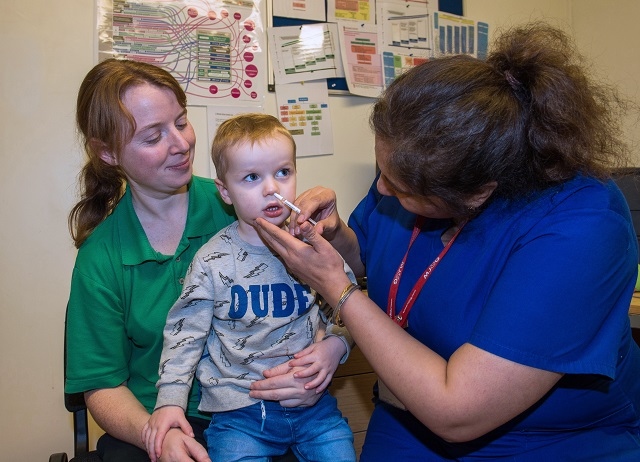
column 292, row 207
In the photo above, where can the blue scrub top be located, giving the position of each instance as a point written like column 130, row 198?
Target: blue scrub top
column 544, row 281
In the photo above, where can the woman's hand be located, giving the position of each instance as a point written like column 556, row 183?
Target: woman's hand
column 119, row 413
column 178, row 447
column 280, row 384
column 320, row 204
column 160, row 422
column 300, row 382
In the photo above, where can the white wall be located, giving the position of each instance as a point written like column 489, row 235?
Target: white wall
column 505, row 13
column 47, row 49
column 606, row 32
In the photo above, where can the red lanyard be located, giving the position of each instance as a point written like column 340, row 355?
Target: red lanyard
column 401, row 318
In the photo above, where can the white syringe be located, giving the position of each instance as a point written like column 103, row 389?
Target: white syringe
column 292, row 207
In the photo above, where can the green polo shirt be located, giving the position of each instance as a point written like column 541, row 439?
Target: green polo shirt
column 121, row 291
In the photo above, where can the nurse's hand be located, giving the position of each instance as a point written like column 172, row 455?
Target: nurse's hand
column 320, row 204
column 314, row 260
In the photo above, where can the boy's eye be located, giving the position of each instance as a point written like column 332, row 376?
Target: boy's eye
column 251, row 177
column 283, row 172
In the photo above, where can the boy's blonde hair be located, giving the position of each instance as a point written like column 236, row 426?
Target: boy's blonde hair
column 251, row 127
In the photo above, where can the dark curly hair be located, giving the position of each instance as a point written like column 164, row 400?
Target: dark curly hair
column 528, row 117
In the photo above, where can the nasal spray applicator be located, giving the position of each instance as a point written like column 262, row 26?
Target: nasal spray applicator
column 292, row 207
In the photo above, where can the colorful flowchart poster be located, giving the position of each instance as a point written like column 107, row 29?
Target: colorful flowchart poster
column 303, row 108
column 216, row 49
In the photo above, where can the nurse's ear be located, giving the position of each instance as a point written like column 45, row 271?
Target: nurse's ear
column 482, row 195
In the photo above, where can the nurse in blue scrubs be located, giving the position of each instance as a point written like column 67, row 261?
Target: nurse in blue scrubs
column 500, row 258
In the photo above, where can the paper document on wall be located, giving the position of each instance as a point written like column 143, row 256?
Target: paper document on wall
column 305, row 52
column 406, row 39
column 303, row 108
column 454, row 34
column 300, row 9
column 362, row 11
column 361, row 58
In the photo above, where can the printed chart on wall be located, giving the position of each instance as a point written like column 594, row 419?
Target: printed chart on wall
column 361, row 58
column 216, row 49
column 305, row 52
column 406, row 36
column 360, row 11
column 460, row 35
column 313, row 10
column 303, row 108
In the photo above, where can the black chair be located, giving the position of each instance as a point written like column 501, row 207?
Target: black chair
column 74, row 402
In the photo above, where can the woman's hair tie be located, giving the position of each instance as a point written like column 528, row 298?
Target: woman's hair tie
column 515, row 84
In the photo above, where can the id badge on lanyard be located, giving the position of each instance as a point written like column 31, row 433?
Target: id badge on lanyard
column 401, row 317
column 384, row 394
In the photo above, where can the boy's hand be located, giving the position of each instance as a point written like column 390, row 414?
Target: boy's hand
column 159, row 423
column 320, row 359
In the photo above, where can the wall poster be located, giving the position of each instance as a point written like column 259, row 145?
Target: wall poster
column 216, row 49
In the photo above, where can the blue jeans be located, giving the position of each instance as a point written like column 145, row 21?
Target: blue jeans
column 266, row 429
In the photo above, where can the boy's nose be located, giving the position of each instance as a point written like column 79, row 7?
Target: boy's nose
column 270, row 187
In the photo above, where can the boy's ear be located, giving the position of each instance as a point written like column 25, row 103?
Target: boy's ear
column 224, row 192
column 104, row 152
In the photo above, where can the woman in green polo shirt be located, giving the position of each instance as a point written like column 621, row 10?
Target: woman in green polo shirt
column 141, row 218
